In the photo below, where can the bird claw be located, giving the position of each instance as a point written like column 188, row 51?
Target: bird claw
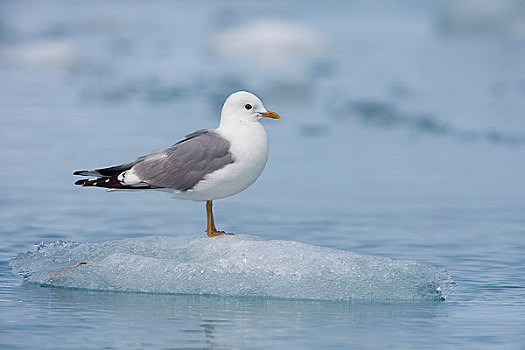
column 216, row 233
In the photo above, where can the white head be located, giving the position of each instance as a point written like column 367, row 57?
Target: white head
column 244, row 107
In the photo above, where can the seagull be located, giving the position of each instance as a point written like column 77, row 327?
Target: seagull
column 206, row 165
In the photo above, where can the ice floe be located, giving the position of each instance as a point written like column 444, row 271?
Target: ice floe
column 239, row 265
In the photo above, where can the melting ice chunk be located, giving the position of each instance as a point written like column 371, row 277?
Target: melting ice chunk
column 239, row 265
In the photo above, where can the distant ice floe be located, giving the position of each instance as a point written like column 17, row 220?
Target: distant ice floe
column 385, row 115
column 269, row 42
column 484, row 17
column 41, row 54
column 239, row 265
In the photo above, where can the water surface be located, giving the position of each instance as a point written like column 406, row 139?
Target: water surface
column 403, row 136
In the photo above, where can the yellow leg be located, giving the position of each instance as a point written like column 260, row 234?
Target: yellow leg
column 211, row 230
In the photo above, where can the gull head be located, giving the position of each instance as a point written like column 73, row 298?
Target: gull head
column 244, row 107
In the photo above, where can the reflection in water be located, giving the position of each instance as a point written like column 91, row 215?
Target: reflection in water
column 207, row 322
column 216, row 309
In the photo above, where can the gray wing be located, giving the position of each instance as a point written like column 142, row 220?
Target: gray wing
column 187, row 162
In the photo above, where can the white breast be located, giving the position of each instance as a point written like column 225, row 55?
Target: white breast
column 249, row 148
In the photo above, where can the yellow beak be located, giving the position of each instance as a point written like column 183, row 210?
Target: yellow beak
column 272, row 115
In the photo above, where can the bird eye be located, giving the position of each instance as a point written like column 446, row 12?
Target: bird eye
column 248, row 106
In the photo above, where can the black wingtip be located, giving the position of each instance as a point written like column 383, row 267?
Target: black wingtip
column 80, row 182
column 79, row 172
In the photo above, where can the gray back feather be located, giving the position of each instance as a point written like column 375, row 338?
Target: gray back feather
column 185, row 163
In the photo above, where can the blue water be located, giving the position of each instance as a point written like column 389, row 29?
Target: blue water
column 403, row 136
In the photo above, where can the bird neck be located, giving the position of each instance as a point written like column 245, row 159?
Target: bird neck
column 241, row 129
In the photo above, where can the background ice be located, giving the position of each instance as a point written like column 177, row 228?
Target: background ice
column 241, row 265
